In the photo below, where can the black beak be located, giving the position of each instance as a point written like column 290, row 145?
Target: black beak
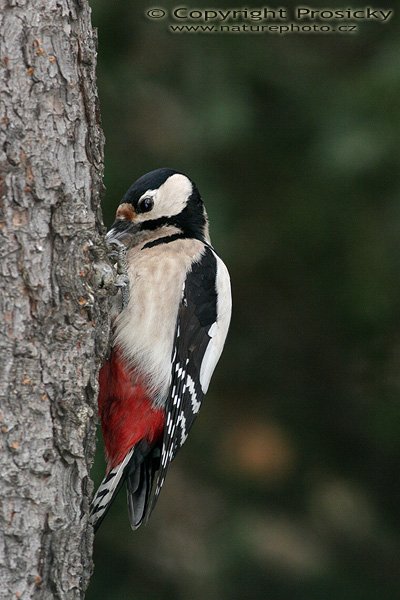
column 121, row 230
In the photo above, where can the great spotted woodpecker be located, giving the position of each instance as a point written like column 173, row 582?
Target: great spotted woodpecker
column 168, row 336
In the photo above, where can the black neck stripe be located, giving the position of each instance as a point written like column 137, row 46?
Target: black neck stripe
column 165, row 240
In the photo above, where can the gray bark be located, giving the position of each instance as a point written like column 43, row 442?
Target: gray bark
column 54, row 329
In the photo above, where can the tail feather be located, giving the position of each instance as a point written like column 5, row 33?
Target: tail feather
column 137, row 483
column 108, row 489
column 139, row 486
column 138, row 469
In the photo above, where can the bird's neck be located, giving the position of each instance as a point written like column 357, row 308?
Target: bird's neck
column 148, row 236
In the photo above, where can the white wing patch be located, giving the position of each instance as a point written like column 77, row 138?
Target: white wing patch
column 219, row 329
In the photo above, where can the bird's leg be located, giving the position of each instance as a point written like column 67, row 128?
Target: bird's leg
column 117, row 255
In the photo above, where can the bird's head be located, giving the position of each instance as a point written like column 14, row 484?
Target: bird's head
column 162, row 200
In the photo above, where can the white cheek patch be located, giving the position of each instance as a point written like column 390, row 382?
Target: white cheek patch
column 170, row 199
column 174, row 194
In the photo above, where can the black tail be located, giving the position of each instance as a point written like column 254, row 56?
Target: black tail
column 139, row 483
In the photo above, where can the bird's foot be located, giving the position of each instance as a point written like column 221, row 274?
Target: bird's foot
column 117, row 255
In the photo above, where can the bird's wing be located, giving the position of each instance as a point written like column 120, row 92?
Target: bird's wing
column 202, row 326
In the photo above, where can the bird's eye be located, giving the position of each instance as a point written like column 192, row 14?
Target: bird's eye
column 146, row 204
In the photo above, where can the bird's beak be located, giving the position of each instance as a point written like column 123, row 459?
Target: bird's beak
column 122, row 231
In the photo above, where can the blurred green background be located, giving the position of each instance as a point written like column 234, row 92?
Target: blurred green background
column 289, row 486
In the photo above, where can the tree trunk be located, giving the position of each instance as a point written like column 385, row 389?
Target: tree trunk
column 54, row 327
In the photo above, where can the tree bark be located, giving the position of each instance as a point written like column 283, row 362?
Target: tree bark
column 54, row 327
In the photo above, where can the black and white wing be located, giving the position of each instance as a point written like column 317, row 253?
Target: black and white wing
column 202, row 325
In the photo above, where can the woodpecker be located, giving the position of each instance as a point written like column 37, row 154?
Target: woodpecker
column 168, row 335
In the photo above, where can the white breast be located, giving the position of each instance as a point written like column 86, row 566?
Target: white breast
column 145, row 329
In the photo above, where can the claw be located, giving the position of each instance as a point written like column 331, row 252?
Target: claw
column 122, row 282
column 116, row 249
column 117, row 253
